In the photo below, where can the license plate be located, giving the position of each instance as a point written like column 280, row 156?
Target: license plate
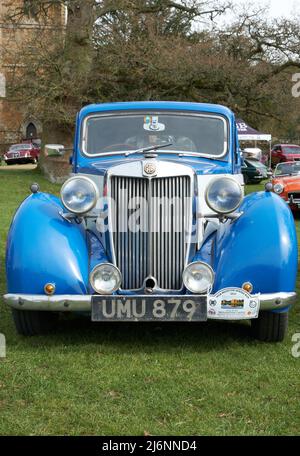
column 16, row 155
column 149, row 308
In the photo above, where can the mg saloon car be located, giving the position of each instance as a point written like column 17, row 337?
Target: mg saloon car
column 22, row 154
column 153, row 225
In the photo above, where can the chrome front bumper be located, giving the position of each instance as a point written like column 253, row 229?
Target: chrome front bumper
column 82, row 303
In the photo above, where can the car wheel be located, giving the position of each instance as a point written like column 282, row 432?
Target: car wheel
column 9, row 163
column 32, row 322
column 270, row 326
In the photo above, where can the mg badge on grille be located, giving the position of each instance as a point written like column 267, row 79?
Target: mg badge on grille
column 150, row 168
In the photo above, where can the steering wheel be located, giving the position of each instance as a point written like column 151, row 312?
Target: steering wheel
column 117, row 147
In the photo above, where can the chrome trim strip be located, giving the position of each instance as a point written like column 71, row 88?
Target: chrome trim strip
column 56, row 303
column 82, row 303
column 273, row 301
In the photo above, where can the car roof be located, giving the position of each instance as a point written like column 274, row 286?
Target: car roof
column 253, row 159
column 164, row 105
column 292, row 162
column 286, row 145
column 21, row 144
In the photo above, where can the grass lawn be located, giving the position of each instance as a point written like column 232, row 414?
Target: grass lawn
column 198, row 379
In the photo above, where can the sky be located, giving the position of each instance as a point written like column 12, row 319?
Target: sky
column 277, row 8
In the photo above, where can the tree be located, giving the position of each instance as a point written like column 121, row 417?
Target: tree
column 114, row 50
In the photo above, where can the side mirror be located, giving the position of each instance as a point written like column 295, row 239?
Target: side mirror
column 54, row 150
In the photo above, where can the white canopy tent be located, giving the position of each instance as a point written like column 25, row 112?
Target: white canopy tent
column 247, row 133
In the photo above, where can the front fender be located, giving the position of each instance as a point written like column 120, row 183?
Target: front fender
column 42, row 247
column 260, row 247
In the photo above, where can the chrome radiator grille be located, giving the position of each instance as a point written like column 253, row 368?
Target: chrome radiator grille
column 149, row 238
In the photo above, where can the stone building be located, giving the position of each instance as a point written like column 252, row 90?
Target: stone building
column 16, row 122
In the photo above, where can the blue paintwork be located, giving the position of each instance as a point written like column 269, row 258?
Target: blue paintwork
column 42, row 247
column 260, row 247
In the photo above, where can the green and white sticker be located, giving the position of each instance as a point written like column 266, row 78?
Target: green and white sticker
column 233, row 304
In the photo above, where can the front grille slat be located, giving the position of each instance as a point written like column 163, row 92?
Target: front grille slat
column 158, row 248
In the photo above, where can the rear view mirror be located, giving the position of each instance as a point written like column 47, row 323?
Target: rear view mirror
column 54, row 150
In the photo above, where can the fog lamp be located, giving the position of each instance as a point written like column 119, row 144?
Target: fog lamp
column 105, row 278
column 198, row 277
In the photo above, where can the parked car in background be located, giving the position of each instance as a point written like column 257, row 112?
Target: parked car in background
column 286, row 183
column 153, row 226
column 254, row 171
column 284, row 153
column 22, row 153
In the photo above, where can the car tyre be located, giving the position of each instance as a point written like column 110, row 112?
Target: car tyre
column 270, row 326
column 33, row 323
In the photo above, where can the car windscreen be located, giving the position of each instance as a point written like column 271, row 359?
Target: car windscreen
column 203, row 134
column 286, row 169
column 20, row 147
column 291, row 150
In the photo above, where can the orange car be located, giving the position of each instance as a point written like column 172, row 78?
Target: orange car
column 286, row 183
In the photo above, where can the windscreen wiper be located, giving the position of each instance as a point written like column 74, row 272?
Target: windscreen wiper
column 146, row 149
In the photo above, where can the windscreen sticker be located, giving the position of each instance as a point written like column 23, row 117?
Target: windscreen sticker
column 233, row 304
column 151, row 123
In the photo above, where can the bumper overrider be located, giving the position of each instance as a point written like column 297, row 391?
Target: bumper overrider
column 83, row 303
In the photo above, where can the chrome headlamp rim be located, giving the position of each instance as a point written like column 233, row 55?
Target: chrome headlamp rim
column 90, row 181
column 279, row 188
column 210, row 185
column 94, row 270
column 206, row 290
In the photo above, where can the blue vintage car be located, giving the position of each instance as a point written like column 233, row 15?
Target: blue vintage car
column 153, row 225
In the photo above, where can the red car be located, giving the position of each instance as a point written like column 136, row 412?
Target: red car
column 22, row 153
column 284, row 153
column 286, row 183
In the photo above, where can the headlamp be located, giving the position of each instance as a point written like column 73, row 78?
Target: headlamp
column 79, row 194
column 223, row 195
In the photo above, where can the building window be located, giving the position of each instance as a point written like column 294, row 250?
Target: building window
column 31, row 131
